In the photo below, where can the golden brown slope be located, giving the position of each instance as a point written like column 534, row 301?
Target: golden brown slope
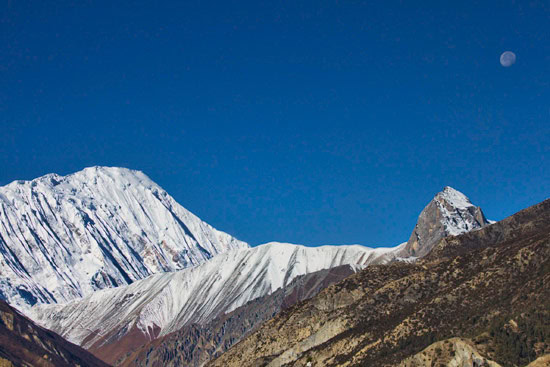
column 543, row 361
column 471, row 286
column 449, row 353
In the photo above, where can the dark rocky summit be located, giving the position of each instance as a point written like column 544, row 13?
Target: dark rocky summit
column 22, row 343
column 450, row 213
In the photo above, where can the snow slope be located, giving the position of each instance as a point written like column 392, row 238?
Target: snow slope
column 63, row 238
column 458, row 213
column 164, row 303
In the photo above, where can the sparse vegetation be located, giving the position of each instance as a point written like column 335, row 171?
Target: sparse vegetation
column 516, row 343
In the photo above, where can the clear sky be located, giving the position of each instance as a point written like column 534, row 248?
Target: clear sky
column 310, row 122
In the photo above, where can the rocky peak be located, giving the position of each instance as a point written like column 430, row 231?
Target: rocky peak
column 450, row 213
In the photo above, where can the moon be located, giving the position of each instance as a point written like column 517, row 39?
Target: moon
column 507, row 59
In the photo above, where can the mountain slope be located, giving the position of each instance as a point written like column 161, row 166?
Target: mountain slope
column 22, row 343
column 164, row 303
column 491, row 285
column 62, row 238
column 196, row 344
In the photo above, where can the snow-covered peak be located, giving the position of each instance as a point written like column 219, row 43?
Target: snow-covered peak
column 119, row 174
column 454, row 198
column 457, row 214
column 63, row 237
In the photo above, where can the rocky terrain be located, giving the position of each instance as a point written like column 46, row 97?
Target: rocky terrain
column 24, row 344
column 543, row 361
column 459, row 352
column 490, row 287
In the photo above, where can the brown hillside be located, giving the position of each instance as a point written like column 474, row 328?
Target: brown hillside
column 491, row 286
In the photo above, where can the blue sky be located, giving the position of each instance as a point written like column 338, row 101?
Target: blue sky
column 310, row 122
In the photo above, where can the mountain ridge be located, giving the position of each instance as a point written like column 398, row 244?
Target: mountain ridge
column 163, row 303
column 194, row 344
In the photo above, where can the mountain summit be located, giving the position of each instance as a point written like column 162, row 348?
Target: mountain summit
column 450, row 213
column 63, row 238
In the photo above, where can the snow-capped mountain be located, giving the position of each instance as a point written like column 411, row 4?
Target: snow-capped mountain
column 450, row 213
column 106, row 254
column 63, row 238
column 164, row 303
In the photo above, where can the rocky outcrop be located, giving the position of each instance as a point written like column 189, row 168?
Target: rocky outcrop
column 385, row 314
column 454, row 352
column 24, row 344
column 543, row 361
column 450, row 213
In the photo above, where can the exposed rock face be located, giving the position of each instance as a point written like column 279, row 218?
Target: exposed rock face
column 63, row 238
column 385, row 314
column 454, row 352
column 22, row 343
column 196, row 344
column 450, row 213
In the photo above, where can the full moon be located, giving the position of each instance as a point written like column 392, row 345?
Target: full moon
column 507, row 59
